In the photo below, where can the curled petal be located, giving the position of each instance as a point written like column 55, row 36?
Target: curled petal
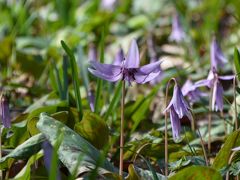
column 204, row 82
column 108, row 72
column 133, row 59
column 148, row 72
column 187, row 87
column 175, row 123
column 180, row 105
column 229, row 77
column 105, row 68
column 108, row 77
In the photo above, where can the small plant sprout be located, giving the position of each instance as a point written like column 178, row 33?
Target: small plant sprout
column 129, row 71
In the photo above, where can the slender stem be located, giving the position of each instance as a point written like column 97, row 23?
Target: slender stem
column 210, row 121
column 235, row 103
column 122, row 130
column 224, row 123
column 203, row 148
column 1, row 175
column 165, row 134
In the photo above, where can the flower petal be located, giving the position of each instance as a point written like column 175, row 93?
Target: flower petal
column 180, row 105
column 119, row 58
column 108, row 77
column 187, row 87
column 228, row 77
column 217, row 57
column 108, row 72
column 133, row 59
column 217, row 97
column 204, row 82
column 175, row 123
column 105, row 68
column 148, row 72
column 177, row 33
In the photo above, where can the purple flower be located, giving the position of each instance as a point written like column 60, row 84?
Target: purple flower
column 191, row 91
column 217, row 57
column 5, row 112
column 177, row 33
column 213, row 81
column 178, row 108
column 119, row 57
column 129, row 70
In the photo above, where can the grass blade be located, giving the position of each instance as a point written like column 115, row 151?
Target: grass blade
column 237, row 62
column 115, row 100
column 76, row 85
column 100, row 81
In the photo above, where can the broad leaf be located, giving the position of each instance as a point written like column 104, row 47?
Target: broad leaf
column 94, row 129
column 197, row 173
column 24, row 151
column 73, row 147
column 222, row 157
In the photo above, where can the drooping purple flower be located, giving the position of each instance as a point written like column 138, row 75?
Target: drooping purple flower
column 48, row 150
column 178, row 108
column 177, row 33
column 213, row 81
column 129, row 70
column 5, row 111
column 217, row 58
column 191, row 91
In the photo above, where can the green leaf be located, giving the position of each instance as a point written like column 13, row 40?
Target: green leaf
column 94, row 129
column 136, row 173
column 223, row 155
column 74, row 71
column 99, row 81
column 237, row 62
column 115, row 100
column 72, row 147
column 24, row 151
column 26, row 170
column 34, row 116
column 197, row 173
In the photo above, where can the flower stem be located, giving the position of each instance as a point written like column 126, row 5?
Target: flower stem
column 210, row 121
column 203, row 148
column 235, row 103
column 1, row 175
column 224, row 123
column 165, row 134
column 122, row 130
